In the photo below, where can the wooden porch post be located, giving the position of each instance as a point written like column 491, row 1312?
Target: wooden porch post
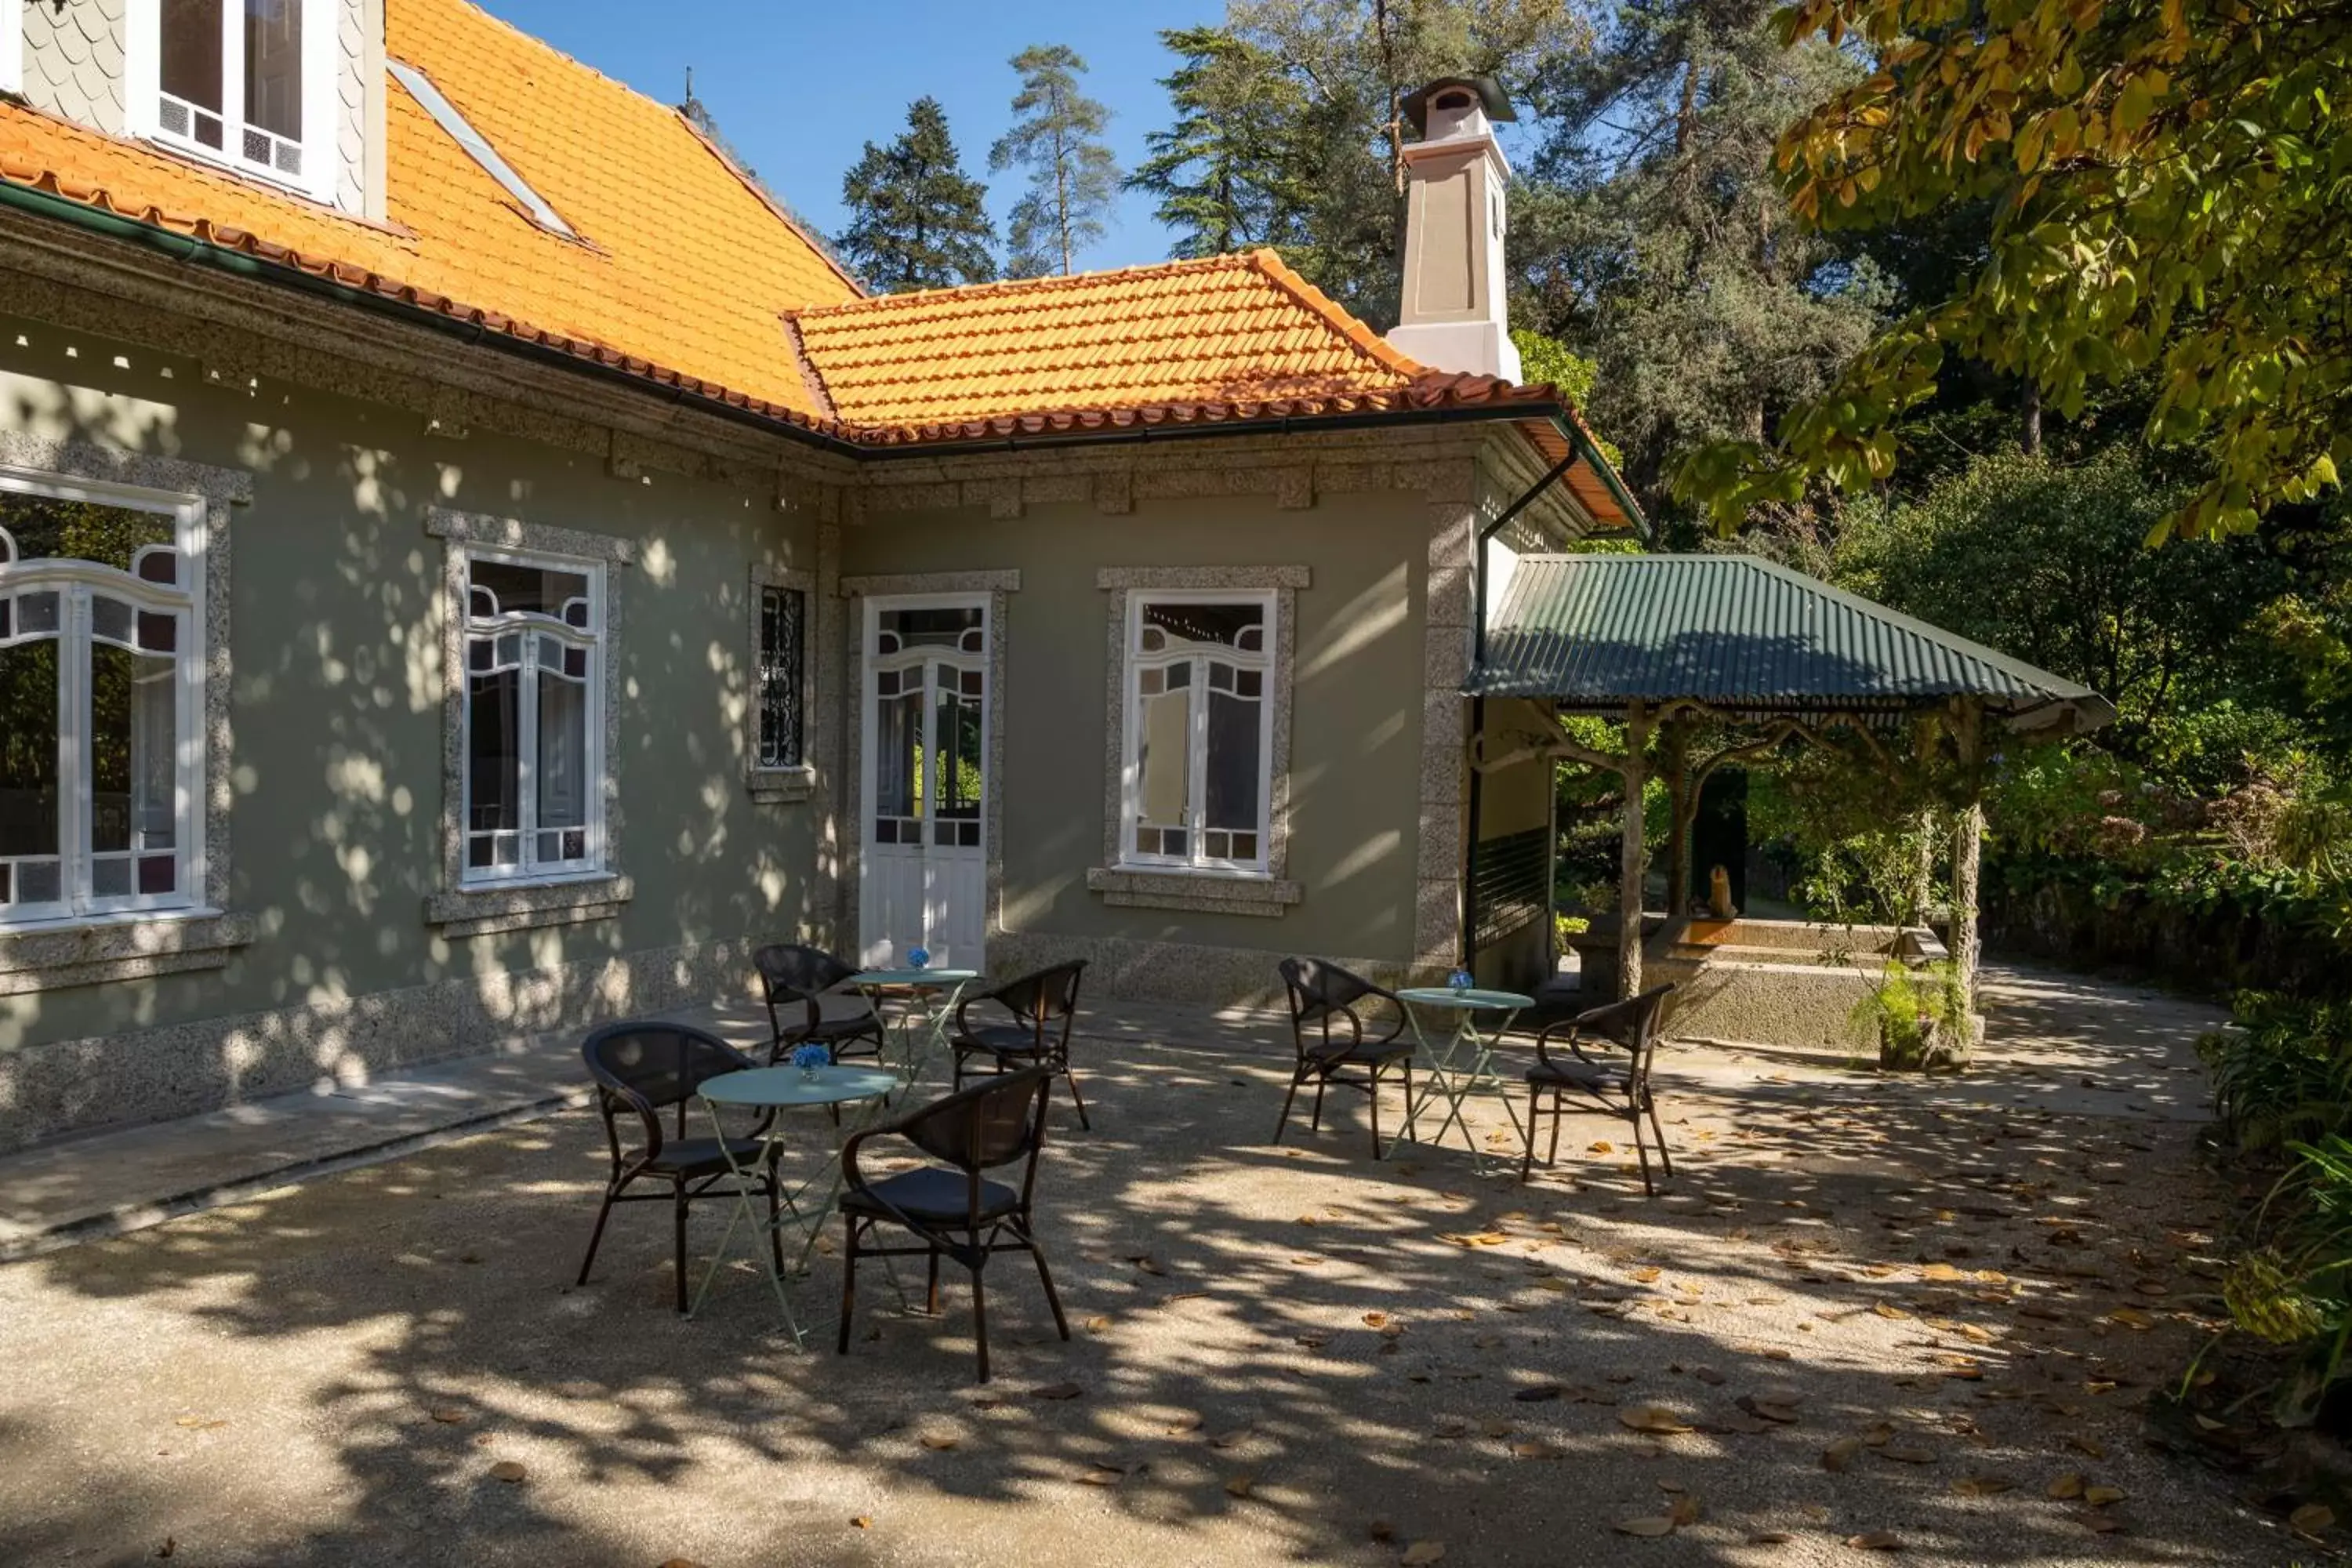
column 1631, row 866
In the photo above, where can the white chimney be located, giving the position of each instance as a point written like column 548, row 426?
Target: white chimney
column 1453, row 314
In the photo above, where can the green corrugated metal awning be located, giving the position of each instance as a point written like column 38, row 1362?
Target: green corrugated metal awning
column 1598, row 633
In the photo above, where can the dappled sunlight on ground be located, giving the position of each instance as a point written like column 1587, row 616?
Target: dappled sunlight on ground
column 1861, row 1308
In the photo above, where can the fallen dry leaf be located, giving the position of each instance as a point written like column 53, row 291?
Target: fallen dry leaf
column 1380, row 1529
column 1232, row 1439
column 449, row 1414
column 1096, row 1325
column 1539, row 1393
column 1057, row 1391
column 1840, row 1454
column 507, row 1470
column 1534, row 1449
column 2100, row 1496
column 1103, row 1476
column 1650, row 1525
column 2311, row 1519
column 862, row 1523
column 1875, row 1541
column 2132, row 1318
column 1651, row 1418
column 2067, row 1486
column 1422, row 1553
column 1239, row 1486
column 937, row 1441
column 1982, row 1486
column 1908, row 1455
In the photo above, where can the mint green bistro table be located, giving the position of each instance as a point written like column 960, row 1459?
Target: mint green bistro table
column 782, row 1088
column 926, row 1002
column 1449, row 1074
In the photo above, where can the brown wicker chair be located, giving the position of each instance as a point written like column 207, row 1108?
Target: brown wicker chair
column 641, row 1068
column 1043, row 1005
column 1612, row 1088
column 953, row 1208
column 804, row 1007
column 1318, row 993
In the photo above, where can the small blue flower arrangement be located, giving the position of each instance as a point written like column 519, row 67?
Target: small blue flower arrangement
column 808, row 1059
column 1460, row 981
column 919, row 957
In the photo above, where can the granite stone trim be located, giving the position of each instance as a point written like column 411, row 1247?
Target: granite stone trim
column 481, row 911
column 51, row 958
column 1125, row 968
column 1205, row 892
column 219, row 490
column 139, row 1075
column 892, row 583
column 1444, row 720
column 1000, row 587
column 1203, row 577
column 1120, row 582
column 459, row 909
column 798, row 782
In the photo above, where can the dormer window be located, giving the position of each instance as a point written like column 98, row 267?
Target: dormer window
column 243, row 83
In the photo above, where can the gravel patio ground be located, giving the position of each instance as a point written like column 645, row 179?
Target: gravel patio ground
column 1865, row 1312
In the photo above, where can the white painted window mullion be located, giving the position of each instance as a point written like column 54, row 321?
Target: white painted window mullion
column 527, row 753
column 74, row 811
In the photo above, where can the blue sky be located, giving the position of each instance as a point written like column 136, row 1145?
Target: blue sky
column 801, row 86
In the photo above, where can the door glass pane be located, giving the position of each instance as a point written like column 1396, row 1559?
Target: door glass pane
column 563, row 763
column 901, row 630
column 1234, row 783
column 1214, row 625
column 28, row 773
column 955, row 782
column 273, row 65
column 897, row 760
column 493, row 759
column 501, row 588
column 133, row 748
column 192, row 57
column 47, row 527
column 1163, row 759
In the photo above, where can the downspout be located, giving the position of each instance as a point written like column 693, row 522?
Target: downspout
column 1478, row 575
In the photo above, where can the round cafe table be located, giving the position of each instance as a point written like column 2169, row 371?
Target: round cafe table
column 1462, row 1062
column 780, row 1088
column 927, row 1000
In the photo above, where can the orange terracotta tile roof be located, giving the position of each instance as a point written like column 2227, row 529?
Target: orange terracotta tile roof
column 685, row 274
column 684, row 266
column 1227, row 329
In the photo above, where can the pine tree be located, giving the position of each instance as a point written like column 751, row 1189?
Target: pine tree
column 917, row 220
column 1226, row 172
column 1073, row 178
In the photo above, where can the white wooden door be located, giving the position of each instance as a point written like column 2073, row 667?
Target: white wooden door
column 922, row 864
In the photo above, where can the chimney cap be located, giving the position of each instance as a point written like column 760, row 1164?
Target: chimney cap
column 1490, row 97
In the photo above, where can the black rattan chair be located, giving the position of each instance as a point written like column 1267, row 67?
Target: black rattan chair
column 1619, row 1089
column 805, row 1008
column 955, row 1209
column 1318, row 993
column 640, row 1069
column 1038, row 1003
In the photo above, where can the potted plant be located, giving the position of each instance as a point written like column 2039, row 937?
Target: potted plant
column 1920, row 1017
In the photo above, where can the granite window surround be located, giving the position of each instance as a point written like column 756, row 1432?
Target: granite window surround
column 999, row 586
column 1204, row 890
column 798, row 782
column 97, row 949
column 458, row 910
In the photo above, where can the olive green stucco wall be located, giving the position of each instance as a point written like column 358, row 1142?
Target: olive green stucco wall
column 1355, row 751
column 338, row 699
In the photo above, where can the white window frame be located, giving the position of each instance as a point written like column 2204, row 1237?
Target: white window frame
column 12, row 46
column 143, row 74
column 1133, row 661
column 75, row 581
column 528, row 870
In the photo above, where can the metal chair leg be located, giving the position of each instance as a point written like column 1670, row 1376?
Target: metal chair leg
column 1315, row 1124
column 848, row 1283
column 979, row 1314
column 1372, row 1092
column 1528, row 1164
column 1665, row 1155
column 1297, row 1076
column 679, row 1203
column 1046, row 1278
column 1076, row 1097
column 1643, row 1155
column 1558, row 1115
column 932, row 1299
column 596, row 1237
